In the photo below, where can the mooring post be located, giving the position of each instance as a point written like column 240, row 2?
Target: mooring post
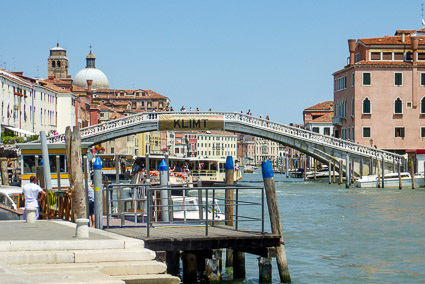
column 229, row 204
column 371, row 166
column 351, row 171
column 239, row 264
column 276, row 225
column 163, row 182
column 379, row 173
column 361, row 167
column 189, row 267
column 333, row 169
column 305, row 168
column 212, row 270
column 46, row 164
column 315, row 169
column 172, row 258
column 347, row 171
column 86, row 183
column 340, row 172
column 265, row 269
column 4, row 173
column 98, row 196
column 58, row 171
column 383, row 173
column 287, row 167
column 400, row 185
column 330, row 171
column 412, row 173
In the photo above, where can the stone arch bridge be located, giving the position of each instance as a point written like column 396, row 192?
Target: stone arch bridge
column 321, row 147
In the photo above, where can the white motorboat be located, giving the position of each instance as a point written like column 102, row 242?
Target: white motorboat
column 390, row 180
column 248, row 169
column 186, row 208
column 322, row 174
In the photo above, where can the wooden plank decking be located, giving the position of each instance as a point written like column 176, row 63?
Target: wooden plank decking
column 172, row 238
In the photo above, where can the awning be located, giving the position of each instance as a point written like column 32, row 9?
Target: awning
column 25, row 132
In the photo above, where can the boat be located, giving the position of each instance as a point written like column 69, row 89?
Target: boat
column 12, row 203
column 322, row 174
column 248, row 169
column 298, row 173
column 390, row 180
column 186, row 208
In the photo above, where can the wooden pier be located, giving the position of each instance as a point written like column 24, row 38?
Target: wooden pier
column 191, row 237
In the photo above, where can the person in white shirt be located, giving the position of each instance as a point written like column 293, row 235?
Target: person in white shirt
column 33, row 194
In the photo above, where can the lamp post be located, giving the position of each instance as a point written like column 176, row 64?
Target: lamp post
column 371, row 142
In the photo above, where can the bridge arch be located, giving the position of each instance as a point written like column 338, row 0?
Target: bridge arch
column 319, row 146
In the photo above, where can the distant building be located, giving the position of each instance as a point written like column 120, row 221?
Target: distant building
column 318, row 118
column 379, row 94
column 100, row 81
column 57, row 63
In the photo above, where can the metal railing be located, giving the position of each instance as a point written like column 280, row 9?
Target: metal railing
column 144, row 204
column 242, row 119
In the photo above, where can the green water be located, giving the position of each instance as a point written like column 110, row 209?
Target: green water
column 338, row 235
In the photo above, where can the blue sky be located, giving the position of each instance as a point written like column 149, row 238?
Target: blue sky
column 273, row 57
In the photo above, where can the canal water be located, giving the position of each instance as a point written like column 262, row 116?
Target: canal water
column 338, row 235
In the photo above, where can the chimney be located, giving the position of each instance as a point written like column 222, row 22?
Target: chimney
column 403, row 37
column 89, row 92
column 51, row 77
column 351, row 48
column 414, row 43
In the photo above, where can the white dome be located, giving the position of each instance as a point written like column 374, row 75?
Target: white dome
column 100, row 81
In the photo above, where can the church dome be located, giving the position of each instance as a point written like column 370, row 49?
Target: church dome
column 100, row 81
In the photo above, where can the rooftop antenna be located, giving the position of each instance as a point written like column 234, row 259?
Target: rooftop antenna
column 423, row 21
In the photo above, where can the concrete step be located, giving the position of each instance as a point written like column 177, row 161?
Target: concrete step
column 109, row 268
column 69, row 277
column 76, row 256
column 48, row 245
column 150, row 279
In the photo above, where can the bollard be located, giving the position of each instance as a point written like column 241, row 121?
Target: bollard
column 347, row 171
column 31, row 214
column 276, row 225
column 330, row 171
column 400, row 185
column 98, row 197
column 265, row 269
column 4, row 173
column 82, row 229
column 383, row 173
column 163, row 182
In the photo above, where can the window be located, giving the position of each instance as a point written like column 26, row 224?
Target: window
column 366, row 132
column 398, row 56
column 422, row 79
column 398, row 79
column 421, row 56
column 409, row 56
column 352, row 79
column 408, row 104
column 423, row 132
column 315, row 129
column 423, row 105
column 59, row 64
column 398, row 106
column 112, row 150
column 399, row 132
column 387, row 56
column 327, row 131
column 53, row 64
column 366, row 79
column 375, row 56
column 366, row 106
column 356, row 57
column 340, row 83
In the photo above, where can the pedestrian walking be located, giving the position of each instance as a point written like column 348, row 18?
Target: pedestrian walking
column 33, row 194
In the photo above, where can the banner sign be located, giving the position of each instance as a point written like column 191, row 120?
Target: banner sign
column 191, row 122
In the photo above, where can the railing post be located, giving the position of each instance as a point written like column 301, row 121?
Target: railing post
column 237, row 209
column 108, row 207
column 201, row 212
column 262, row 210
column 206, row 212
column 149, row 197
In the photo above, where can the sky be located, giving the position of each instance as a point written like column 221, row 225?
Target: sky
column 275, row 58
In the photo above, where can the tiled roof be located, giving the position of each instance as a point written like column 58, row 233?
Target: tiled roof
column 326, row 117
column 326, row 105
column 53, row 87
column 76, row 88
column 56, row 81
column 113, row 94
column 14, row 77
column 116, row 115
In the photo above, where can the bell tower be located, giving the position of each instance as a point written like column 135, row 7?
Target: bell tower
column 57, row 63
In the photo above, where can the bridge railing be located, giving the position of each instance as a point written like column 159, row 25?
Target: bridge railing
column 311, row 136
column 250, row 120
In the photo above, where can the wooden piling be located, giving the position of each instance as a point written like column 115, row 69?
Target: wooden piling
column 305, row 168
column 218, row 254
column 351, row 172
column 400, row 184
column 276, row 225
column 265, row 269
column 73, row 153
column 371, row 166
column 333, row 168
column 361, row 167
column 229, row 257
column 189, row 267
column 340, row 172
column 315, row 169
column 379, row 174
column 172, row 259
column 383, row 173
column 330, row 171
column 239, row 264
column 412, row 173
column 4, row 173
column 212, row 271
column 229, row 194
column 347, row 171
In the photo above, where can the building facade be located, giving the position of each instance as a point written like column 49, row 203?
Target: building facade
column 379, row 95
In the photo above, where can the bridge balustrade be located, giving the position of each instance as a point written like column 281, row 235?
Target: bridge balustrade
column 242, row 119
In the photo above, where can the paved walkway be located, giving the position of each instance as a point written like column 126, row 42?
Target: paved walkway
column 44, row 230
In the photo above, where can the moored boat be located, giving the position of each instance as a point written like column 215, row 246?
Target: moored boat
column 391, row 180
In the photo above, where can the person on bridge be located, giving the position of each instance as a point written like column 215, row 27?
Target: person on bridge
column 182, row 109
column 33, row 194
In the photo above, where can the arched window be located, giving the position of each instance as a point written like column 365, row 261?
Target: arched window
column 398, row 106
column 366, row 106
column 53, row 64
column 423, row 105
column 59, row 64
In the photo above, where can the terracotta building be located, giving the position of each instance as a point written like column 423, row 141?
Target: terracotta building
column 379, row 95
column 318, row 118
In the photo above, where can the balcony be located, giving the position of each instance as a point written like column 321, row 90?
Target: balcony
column 337, row 120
